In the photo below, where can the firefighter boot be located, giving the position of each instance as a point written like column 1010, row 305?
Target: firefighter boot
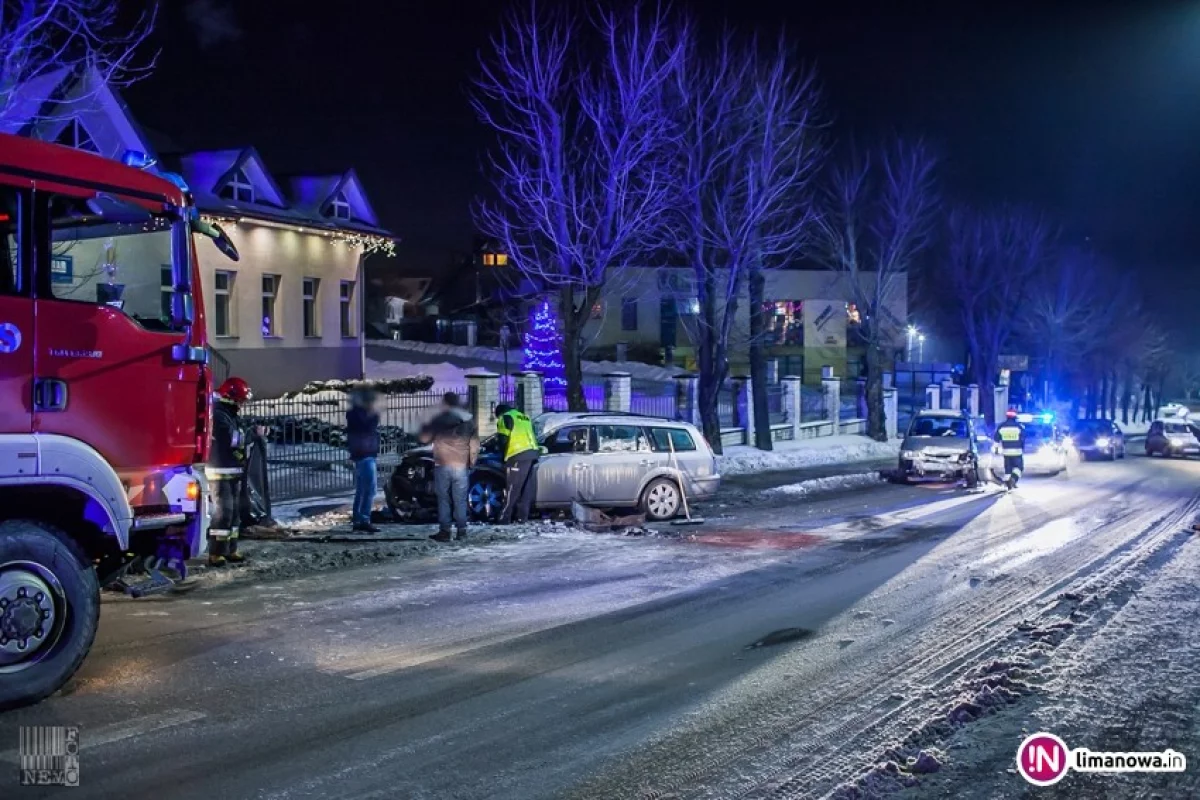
column 216, row 551
column 232, row 556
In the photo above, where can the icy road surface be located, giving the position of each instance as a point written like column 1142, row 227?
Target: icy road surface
column 884, row 642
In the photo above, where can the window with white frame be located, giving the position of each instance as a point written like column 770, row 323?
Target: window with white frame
column 270, row 293
column 75, row 135
column 238, row 188
column 312, row 311
column 347, row 308
column 223, row 303
column 339, row 207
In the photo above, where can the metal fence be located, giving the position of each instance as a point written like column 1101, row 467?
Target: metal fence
column 306, row 451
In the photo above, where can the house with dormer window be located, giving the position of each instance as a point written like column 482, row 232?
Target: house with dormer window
column 290, row 310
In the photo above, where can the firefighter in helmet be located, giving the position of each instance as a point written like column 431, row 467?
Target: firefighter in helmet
column 1011, row 437
column 225, row 472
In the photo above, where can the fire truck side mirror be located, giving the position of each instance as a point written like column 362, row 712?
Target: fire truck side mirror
column 225, row 244
column 183, row 308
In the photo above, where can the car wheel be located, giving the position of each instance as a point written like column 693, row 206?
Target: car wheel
column 485, row 498
column 661, row 500
column 49, row 607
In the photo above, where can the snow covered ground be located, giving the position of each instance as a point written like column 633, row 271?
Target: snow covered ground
column 743, row 460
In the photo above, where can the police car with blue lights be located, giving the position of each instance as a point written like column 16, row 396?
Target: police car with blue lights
column 1048, row 448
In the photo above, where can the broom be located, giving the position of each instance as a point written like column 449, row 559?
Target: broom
column 689, row 519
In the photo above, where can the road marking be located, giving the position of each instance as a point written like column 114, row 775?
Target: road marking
column 107, row 734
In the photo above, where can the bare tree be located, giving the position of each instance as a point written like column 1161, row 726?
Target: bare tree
column 877, row 222
column 993, row 260
column 749, row 144
column 84, row 39
column 578, row 172
column 1064, row 316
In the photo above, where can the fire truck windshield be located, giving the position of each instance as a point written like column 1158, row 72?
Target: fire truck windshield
column 118, row 254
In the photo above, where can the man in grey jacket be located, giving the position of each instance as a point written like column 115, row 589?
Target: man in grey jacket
column 455, row 448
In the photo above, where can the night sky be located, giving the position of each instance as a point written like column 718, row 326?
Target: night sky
column 1088, row 111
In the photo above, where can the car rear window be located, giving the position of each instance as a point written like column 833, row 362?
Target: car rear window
column 664, row 438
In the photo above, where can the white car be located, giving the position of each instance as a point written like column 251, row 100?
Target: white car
column 1174, row 410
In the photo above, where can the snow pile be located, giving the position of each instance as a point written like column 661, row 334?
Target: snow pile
column 445, row 375
column 742, row 460
column 832, row 483
column 495, row 356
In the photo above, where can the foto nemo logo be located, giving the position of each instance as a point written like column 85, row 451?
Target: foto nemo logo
column 1042, row 759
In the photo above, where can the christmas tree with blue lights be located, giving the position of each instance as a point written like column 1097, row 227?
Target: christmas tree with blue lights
column 543, row 348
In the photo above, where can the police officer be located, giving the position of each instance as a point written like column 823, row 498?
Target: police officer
column 225, row 472
column 521, row 454
column 1011, row 436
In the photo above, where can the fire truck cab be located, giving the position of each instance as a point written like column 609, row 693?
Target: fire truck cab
column 105, row 395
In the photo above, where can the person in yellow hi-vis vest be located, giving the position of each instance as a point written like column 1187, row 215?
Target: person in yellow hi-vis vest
column 521, row 453
column 1011, row 437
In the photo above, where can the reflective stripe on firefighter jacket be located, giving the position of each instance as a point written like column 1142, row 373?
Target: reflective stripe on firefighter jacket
column 1011, row 436
column 518, row 431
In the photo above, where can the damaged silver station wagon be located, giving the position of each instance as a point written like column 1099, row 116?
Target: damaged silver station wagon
column 941, row 445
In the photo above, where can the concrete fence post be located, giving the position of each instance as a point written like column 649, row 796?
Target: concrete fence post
column 618, row 391
column 484, row 391
column 933, row 396
column 955, row 396
column 833, row 399
column 793, row 402
column 973, row 400
column 891, row 409
column 772, row 371
column 529, row 394
column 744, row 406
column 687, row 398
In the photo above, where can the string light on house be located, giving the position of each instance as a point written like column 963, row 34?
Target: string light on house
column 370, row 243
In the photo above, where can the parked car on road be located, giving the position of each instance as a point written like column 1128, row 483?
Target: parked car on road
column 599, row 459
column 1100, row 438
column 1047, row 446
column 1172, row 437
column 941, row 445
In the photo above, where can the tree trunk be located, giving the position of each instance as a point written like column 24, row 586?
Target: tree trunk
column 876, row 423
column 710, row 358
column 1126, row 397
column 572, row 323
column 758, row 362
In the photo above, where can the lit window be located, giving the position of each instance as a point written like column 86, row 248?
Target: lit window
column 598, row 309
column 223, row 304
column 238, row 189
column 339, row 207
column 270, row 291
column 312, row 312
column 489, row 259
column 852, row 315
column 75, row 135
column 501, row 259
column 347, row 308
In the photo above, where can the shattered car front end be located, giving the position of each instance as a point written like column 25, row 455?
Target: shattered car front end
column 930, row 459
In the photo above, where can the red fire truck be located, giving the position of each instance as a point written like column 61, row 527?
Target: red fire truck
column 105, row 394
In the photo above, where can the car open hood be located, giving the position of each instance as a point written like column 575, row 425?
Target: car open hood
column 937, row 445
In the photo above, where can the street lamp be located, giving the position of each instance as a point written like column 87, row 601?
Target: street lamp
column 912, row 332
column 921, row 348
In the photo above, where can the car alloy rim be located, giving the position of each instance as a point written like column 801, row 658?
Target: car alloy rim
column 32, row 610
column 663, row 500
column 482, row 498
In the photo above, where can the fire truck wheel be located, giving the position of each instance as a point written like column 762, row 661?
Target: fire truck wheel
column 49, row 607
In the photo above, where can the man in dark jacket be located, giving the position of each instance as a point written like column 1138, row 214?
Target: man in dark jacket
column 362, row 439
column 455, row 448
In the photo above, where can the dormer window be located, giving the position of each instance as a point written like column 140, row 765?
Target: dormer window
column 238, row 189
column 339, row 207
column 75, row 135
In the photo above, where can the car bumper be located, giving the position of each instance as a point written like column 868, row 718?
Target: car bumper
column 703, row 488
column 932, row 468
column 1183, row 450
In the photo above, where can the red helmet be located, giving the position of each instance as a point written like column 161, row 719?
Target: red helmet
column 1011, row 413
column 235, row 389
